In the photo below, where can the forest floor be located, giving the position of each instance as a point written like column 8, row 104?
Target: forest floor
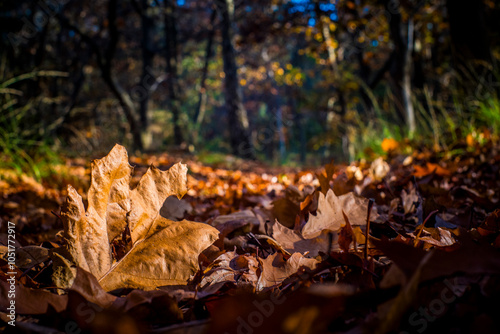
column 279, row 250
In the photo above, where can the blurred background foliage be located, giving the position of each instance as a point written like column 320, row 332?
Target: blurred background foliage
column 289, row 82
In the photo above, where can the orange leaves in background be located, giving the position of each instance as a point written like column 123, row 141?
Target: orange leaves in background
column 429, row 168
column 389, row 144
column 278, row 232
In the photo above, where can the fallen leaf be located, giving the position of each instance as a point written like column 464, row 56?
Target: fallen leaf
column 86, row 233
column 148, row 197
column 491, row 224
column 163, row 252
column 389, row 316
column 346, row 236
column 468, row 257
column 329, row 214
column 389, row 144
column 287, row 208
column 294, row 241
column 31, row 301
column 443, row 238
column 430, row 168
column 246, row 216
column 320, row 233
column 168, row 255
column 265, row 241
column 275, row 269
column 410, row 199
column 30, row 256
column 88, row 287
column 379, row 169
column 149, row 307
column 4, row 241
column 324, row 178
column 230, row 267
column 64, row 270
column 236, row 228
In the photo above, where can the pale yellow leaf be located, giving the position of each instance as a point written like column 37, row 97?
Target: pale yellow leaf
column 293, row 241
column 167, row 256
column 163, row 252
column 148, row 197
column 86, row 236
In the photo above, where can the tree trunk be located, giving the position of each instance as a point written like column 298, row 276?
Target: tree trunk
column 172, row 68
column 471, row 43
column 123, row 97
column 281, row 133
column 128, row 108
column 202, row 99
column 293, row 96
column 407, row 87
column 469, row 34
column 241, row 144
column 143, row 90
column 397, row 65
column 104, row 62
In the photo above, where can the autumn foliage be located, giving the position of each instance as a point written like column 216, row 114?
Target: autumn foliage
column 407, row 244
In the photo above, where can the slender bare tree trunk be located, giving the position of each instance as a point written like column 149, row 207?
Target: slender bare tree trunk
column 397, row 64
column 471, row 43
column 407, row 86
column 469, row 34
column 281, row 133
column 202, row 99
column 146, row 75
column 172, row 68
column 237, row 115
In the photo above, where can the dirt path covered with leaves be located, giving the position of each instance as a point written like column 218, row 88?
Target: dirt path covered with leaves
column 198, row 249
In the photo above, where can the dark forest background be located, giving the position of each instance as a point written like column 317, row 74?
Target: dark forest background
column 287, row 82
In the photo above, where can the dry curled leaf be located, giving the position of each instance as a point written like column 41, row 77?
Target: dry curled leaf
column 330, row 217
column 230, row 267
column 163, row 252
column 30, row 256
column 293, row 241
column 320, row 233
column 168, row 255
column 379, row 169
column 410, row 199
column 437, row 237
column 275, row 269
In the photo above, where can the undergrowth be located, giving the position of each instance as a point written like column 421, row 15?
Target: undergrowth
column 455, row 124
column 25, row 146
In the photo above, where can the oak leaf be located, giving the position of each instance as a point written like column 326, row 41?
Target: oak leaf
column 163, row 252
column 329, row 215
column 321, row 231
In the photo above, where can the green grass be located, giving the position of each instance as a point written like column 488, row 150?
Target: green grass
column 441, row 124
column 25, row 147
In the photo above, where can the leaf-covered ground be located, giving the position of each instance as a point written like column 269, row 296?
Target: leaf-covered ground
column 254, row 249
